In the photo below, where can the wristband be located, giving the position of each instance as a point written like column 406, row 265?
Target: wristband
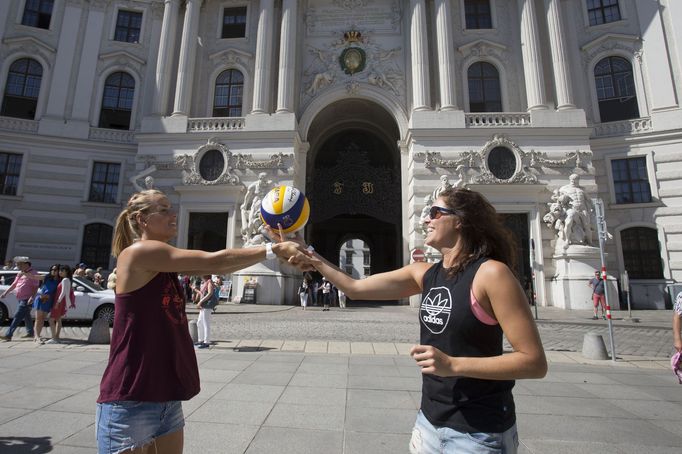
column 269, row 255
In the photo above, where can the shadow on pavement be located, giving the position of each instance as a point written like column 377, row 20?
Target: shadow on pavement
column 25, row 445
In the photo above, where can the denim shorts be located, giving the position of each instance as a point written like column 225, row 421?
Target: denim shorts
column 429, row 439
column 124, row 425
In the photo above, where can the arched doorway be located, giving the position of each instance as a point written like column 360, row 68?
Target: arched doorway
column 353, row 184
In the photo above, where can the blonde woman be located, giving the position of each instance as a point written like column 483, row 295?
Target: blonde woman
column 152, row 365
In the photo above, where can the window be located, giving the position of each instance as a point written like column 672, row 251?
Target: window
column 5, row 225
column 641, row 253
column 602, row 11
column 367, row 271
column 10, row 166
column 630, row 180
column 366, row 258
column 234, row 22
column 97, row 245
column 22, row 89
column 104, row 182
column 484, row 88
column 349, row 257
column 615, row 89
column 37, row 13
column 502, row 163
column 211, row 165
column 128, row 25
column 229, row 90
column 117, row 101
column 477, row 14
column 349, row 270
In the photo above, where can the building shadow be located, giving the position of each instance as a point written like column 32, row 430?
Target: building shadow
column 25, row 445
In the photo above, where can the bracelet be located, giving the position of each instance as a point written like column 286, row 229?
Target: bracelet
column 269, row 255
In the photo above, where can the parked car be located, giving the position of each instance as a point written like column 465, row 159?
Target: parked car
column 92, row 301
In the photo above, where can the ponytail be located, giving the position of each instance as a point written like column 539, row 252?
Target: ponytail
column 127, row 231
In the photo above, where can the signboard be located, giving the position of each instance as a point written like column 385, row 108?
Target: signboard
column 249, row 295
column 417, row 255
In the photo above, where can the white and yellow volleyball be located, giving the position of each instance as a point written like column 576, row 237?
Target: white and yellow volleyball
column 286, row 206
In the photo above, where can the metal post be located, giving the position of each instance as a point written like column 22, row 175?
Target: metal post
column 532, row 282
column 601, row 232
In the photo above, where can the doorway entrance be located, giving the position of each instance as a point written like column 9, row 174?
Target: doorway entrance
column 518, row 224
column 353, row 185
column 207, row 231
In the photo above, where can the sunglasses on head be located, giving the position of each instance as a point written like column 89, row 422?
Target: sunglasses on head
column 436, row 212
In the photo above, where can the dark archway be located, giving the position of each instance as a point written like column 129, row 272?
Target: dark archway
column 353, row 185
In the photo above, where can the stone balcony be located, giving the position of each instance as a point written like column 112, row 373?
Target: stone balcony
column 18, row 124
column 216, row 124
column 497, row 120
column 622, row 128
column 112, row 135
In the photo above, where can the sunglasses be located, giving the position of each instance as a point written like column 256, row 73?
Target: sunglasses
column 436, row 212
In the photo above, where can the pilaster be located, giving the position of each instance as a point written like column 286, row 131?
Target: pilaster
column 532, row 61
column 420, row 57
column 562, row 81
column 165, row 56
column 287, row 56
column 262, row 73
column 446, row 55
column 188, row 52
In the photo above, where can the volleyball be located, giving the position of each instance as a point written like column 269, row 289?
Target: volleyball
column 287, row 206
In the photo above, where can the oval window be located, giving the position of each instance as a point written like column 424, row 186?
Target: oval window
column 502, row 163
column 211, row 165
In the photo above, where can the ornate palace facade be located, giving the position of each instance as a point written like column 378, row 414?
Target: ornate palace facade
column 364, row 105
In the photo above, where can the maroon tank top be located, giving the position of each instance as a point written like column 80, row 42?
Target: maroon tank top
column 151, row 357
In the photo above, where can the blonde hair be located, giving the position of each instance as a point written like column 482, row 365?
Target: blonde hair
column 127, row 229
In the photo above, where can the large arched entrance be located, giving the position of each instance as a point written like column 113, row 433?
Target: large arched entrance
column 353, row 183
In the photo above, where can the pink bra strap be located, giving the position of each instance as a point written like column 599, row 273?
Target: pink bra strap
column 479, row 312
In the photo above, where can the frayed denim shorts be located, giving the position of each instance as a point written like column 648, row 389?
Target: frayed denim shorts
column 124, row 425
column 429, row 439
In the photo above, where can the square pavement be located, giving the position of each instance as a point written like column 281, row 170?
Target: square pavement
column 336, row 398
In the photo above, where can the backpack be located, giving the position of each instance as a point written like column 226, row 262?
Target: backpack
column 215, row 299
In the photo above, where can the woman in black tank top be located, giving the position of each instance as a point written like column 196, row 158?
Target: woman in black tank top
column 470, row 299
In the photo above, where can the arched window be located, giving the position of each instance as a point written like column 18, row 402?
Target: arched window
column 229, row 92
column 5, row 225
column 641, row 253
column 97, row 245
column 117, row 101
column 22, row 89
column 615, row 89
column 484, row 88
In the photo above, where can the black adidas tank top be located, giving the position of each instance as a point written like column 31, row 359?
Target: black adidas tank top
column 448, row 323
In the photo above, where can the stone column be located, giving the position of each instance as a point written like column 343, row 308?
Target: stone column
column 262, row 70
column 562, row 81
column 420, row 56
column 446, row 53
column 532, row 61
column 165, row 56
column 188, row 52
column 88, row 64
column 287, row 56
column 63, row 66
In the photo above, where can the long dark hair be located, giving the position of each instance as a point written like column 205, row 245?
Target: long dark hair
column 482, row 232
column 49, row 277
column 69, row 272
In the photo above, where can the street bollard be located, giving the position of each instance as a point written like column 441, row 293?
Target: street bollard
column 594, row 347
column 99, row 332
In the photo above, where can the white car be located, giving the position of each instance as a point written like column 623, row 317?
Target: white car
column 92, row 301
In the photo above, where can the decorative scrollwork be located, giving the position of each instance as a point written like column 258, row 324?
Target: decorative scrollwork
column 576, row 159
column 276, row 161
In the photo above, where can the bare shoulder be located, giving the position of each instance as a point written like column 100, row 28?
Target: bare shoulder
column 418, row 269
column 493, row 269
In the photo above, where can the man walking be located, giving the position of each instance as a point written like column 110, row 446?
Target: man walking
column 598, row 295
column 24, row 286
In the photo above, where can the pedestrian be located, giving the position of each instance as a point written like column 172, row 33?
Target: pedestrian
column 24, row 286
column 314, row 287
column 111, row 280
column 205, row 304
column 65, row 299
column 44, row 300
column 677, row 322
column 598, row 295
column 304, row 293
column 152, row 366
column 99, row 276
column 326, row 294
column 470, row 300
column 342, row 299
column 79, row 271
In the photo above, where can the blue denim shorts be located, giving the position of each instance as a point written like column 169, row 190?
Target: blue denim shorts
column 124, row 425
column 429, row 439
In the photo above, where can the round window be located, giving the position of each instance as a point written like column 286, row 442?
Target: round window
column 502, row 163
column 211, row 165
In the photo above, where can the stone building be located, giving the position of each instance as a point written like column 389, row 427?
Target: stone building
column 364, row 105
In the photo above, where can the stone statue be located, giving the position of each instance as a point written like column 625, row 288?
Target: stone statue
column 444, row 185
column 570, row 213
column 428, row 201
column 149, row 182
column 148, row 179
column 250, row 208
column 320, row 81
column 461, row 177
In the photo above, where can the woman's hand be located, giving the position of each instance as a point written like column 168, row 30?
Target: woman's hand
column 433, row 361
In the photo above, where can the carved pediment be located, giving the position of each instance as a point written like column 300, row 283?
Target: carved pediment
column 232, row 56
column 25, row 42
column 122, row 57
column 481, row 48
